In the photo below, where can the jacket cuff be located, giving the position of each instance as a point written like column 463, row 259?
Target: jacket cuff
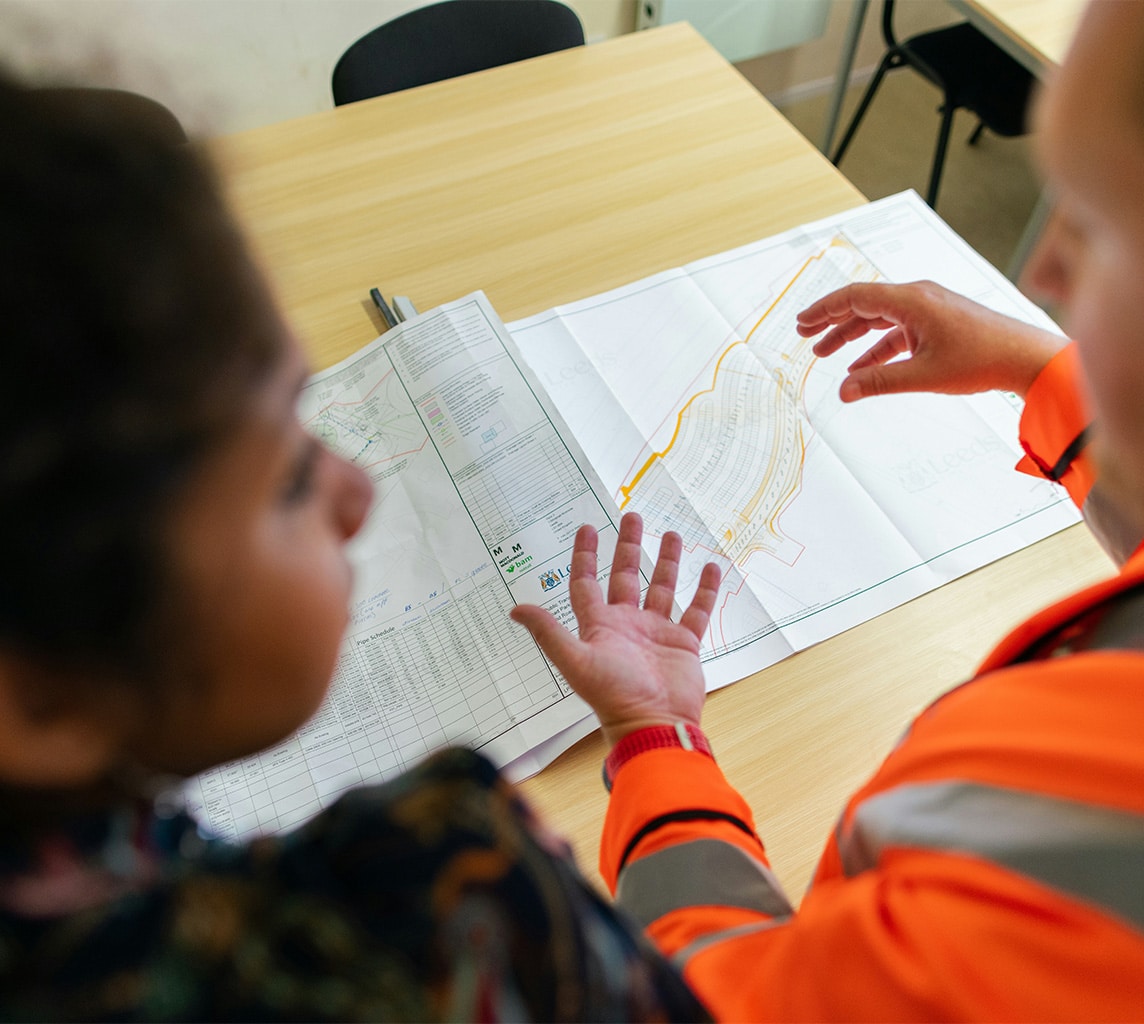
column 1055, row 426
column 658, row 784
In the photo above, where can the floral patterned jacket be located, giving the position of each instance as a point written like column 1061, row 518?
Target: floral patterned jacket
column 435, row 896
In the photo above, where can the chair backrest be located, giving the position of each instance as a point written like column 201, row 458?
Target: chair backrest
column 452, row 38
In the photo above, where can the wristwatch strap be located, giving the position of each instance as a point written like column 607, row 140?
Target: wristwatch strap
column 654, row 737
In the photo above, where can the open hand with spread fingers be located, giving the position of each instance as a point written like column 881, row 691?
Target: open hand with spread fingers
column 633, row 664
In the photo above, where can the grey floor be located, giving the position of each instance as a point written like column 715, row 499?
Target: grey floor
column 988, row 191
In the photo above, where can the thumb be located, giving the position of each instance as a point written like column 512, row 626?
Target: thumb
column 552, row 638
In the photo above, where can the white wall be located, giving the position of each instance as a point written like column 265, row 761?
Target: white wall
column 220, row 65
column 227, row 65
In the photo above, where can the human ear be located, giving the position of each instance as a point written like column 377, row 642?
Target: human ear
column 58, row 744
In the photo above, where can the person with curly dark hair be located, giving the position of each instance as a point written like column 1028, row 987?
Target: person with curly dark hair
column 173, row 593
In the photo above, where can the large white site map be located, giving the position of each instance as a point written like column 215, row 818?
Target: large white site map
column 689, row 397
column 702, row 408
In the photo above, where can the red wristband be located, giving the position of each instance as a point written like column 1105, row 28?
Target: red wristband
column 654, row 737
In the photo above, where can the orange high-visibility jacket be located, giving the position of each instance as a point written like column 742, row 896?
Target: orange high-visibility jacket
column 993, row 868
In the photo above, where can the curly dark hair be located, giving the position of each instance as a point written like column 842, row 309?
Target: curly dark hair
column 133, row 325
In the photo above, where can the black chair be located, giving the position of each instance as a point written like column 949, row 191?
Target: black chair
column 452, row 38
column 972, row 72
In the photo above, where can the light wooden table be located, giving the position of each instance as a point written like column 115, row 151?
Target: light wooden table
column 1035, row 32
column 555, row 179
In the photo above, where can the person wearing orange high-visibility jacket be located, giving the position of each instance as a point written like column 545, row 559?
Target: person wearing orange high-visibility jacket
column 993, row 867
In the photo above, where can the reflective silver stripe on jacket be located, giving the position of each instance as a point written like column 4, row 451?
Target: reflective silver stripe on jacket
column 701, row 872
column 680, row 957
column 1091, row 853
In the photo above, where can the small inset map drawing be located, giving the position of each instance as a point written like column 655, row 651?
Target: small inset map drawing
column 374, row 430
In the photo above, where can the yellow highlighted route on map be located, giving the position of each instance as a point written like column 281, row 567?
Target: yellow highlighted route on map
column 626, row 490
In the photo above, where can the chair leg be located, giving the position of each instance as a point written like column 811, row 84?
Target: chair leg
column 977, row 133
column 947, row 112
column 867, row 96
